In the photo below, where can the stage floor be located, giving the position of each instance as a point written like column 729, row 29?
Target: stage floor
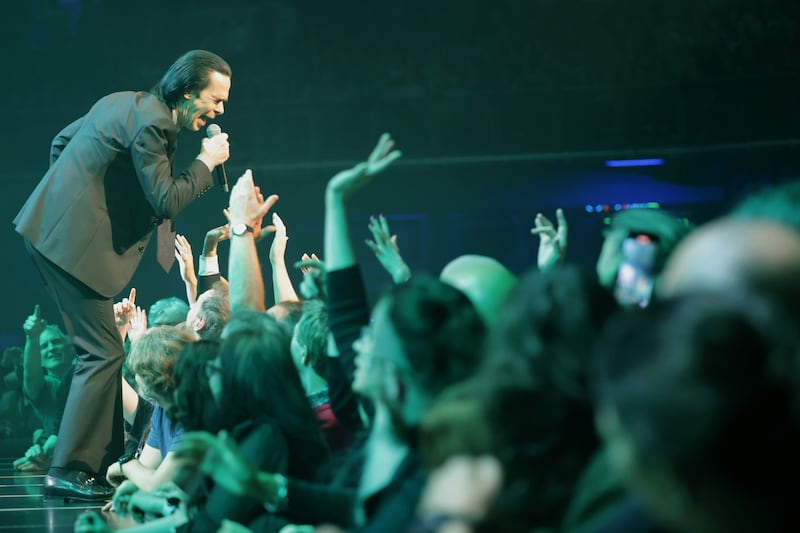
column 23, row 508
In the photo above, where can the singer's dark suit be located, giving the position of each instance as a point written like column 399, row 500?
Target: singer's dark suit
column 87, row 224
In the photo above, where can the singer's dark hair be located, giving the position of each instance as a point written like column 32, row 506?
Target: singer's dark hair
column 190, row 73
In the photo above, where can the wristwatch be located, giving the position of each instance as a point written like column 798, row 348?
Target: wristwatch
column 124, row 459
column 240, row 228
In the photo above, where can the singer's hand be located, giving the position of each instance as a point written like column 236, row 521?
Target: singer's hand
column 215, row 150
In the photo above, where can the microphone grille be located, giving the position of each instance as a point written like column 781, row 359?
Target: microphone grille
column 213, row 129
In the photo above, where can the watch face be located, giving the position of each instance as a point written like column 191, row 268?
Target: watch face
column 239, row 228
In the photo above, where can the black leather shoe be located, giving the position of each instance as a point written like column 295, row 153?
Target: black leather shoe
column 77, row 485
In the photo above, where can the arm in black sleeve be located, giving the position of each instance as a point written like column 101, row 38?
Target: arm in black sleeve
column 206, row 282
column 348, row 313
column 313, row 503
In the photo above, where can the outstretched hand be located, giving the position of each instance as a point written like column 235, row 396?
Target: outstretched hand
column 122, row 497
column 348, row 181
column 386, row 249
column 552, row 240
column 278, row 249
column 138, row 324
column 313, row 284
column 247, row 204
column 309, row 262
column 220, row 233
column 183, row 253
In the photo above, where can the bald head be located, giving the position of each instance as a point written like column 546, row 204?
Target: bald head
column 733, row 253
column 484, row 280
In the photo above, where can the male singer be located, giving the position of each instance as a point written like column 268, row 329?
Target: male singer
column 86, row 226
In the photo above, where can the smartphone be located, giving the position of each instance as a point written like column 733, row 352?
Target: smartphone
column 635, row 278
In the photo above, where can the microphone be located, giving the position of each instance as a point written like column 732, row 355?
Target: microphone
column 222, row 176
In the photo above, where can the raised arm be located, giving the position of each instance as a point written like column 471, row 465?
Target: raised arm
column 347, row 300
column 123, row 313
column 246, row 211
column 338, row 247
column 281, row 282
column 33, row 376
column 183, row 253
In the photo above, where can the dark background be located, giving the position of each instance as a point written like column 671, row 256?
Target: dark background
column 502, row 109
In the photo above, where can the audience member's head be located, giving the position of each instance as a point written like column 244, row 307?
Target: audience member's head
column 697, row 402
column 12, row 358
column 10, row 368
column 484, row 280
column 167, row 312
column 260, row 380
column 731, row 253
column 208, row 315
column 425, row 336
column 57, row 351
column 246, row 319
column 310, row 338
column 152, row 360
column 287, row 312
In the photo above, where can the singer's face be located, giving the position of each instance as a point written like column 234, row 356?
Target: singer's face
column 196, row 108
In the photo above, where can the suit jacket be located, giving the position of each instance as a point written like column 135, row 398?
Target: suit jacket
column 110, row 182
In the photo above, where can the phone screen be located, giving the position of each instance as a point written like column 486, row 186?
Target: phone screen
column 635, row 278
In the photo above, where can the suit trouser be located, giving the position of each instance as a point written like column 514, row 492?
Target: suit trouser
column 90, row 436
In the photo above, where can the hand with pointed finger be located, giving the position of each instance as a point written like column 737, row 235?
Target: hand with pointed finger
column 34, row 324
column 124, row 309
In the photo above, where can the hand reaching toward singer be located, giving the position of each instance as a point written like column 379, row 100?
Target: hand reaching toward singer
column 552, row 240
column 386, row 249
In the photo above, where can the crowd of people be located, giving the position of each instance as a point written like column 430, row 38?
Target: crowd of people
column 655, row 392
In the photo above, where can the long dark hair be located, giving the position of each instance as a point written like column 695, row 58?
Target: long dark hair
column 260, row 380
column 535, row 391
column 440, row 332
column 189, row 74
column 194, row 405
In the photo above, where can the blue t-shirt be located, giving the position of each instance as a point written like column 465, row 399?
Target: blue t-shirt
column 163, row 435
